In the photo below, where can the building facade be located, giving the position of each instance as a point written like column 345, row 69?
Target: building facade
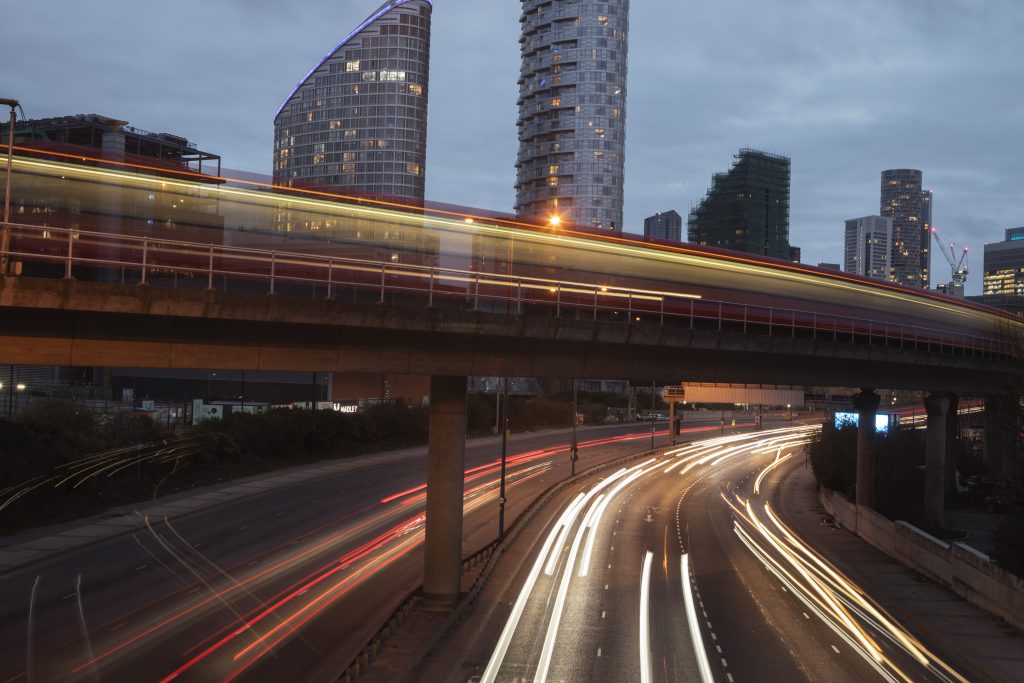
column 910, row 208
column 572, row 111
column 1004, row 265
column 358, row 119
column 665, row 225
column 867, row 248
column 747, row 208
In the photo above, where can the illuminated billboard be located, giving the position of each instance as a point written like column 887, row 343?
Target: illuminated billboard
column 846, row 418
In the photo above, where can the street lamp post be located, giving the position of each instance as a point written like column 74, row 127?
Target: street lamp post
column 504, row 455
column 575, row 454
column 5, row 239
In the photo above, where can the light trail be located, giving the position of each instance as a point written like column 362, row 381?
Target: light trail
column 839, row 603
column 691, row 619
column 645, row 619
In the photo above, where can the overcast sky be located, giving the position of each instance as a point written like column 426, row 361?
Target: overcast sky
column 846, row 88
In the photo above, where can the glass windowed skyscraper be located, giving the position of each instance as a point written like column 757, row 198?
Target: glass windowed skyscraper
column 572, row 111
column 358, row 119
column 910, row 209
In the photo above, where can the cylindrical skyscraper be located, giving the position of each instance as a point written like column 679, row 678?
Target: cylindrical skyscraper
column 358, row 119
column 572, row 111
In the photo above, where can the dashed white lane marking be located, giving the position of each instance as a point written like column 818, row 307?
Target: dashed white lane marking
column 119, row 626
column 713, row 636
column 598, row 652
column 602, row 614
column 609, row 566
column 141, row 567
column 243, row 527
column 719, row 648
column 724, row 663
column 729, row 676
column 68, row 596
column 806, row 616
column 836, row 649
column 606, row 586
column 14, row 678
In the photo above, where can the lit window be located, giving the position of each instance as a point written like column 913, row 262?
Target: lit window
column 348, row 168
column 598, row 155
column 318, row 158
column 553, row 169
column 556, row 102
column 370, row 76
column 392, row 75
column 350, row 133
column 352, row 66
column 335, row 123
column 412, row 168
column 415, row 89
column 553, row 181
column 602, row 20
column 599, row 132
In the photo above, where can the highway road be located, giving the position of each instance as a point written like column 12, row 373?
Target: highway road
column 677, row 569
column 284, row 585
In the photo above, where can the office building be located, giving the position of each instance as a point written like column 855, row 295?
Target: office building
column 867, row 248
column 830, row 266
column 910, row 209
column 747, row 208
column 664, row 225
column 358, row 119
column 1004, row 265
column 572, row 111
column 794, row 254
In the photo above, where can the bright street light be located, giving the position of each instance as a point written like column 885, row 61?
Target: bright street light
column 555, row 221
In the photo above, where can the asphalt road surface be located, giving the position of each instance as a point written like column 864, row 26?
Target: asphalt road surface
column 677, row 569
column 283, row 585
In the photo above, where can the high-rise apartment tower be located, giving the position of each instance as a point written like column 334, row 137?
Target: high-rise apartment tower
column 572, row 111
column 868, row 247
column 747, row 208
column 358, row 119
column 666, row 225
column 910, row 209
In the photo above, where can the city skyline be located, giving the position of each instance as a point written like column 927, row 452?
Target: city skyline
column 834, row 112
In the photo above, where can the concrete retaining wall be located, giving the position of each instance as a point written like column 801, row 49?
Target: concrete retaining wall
column 970, row 574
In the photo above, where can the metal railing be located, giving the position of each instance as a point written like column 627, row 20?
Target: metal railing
column 71, row 253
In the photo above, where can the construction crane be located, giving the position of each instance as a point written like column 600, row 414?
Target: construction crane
column 958, row 267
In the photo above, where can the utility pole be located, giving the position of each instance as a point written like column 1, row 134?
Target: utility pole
column 575, row 455
column 5, row 238
column 504, row 455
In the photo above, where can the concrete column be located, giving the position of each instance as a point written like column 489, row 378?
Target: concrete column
column 671, row 422
column 937, row 407
column 1000, row 433
column 866, row 403
column 442, row 546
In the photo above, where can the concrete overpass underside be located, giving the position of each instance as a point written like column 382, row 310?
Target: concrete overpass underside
column 73, row 323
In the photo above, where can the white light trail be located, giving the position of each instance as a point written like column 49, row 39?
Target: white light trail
column 645, row 616
column 691, row 619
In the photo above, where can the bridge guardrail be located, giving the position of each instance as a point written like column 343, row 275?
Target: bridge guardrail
column 174, row 263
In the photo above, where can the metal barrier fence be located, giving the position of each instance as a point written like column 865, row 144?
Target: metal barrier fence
column 71, row 253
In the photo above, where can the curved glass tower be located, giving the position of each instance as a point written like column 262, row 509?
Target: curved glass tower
column 572, row 111
column 358, row 119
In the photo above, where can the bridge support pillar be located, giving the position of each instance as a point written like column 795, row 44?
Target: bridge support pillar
column 446, row 450
column 937, row 407
column 672, row 431
column 1000, row 433
column 866, row 403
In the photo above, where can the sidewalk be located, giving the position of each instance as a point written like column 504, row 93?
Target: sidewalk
column 981, row 646
column 31, row 545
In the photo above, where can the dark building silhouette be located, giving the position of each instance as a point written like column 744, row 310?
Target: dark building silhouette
column 747, row 208
column 910, row 209
column 666, row 225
